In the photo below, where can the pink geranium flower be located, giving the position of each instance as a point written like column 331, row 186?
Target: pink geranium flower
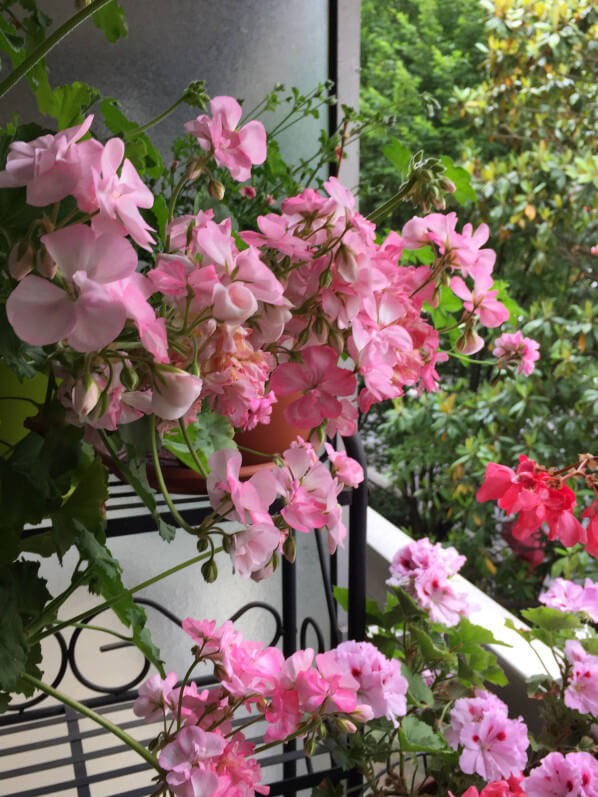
column 481, row 301
column 573, row 775
column 235, row 149
column 494, row 747
column 512, row 347
column 320, row 380
column 119, row 197
column 50, row 166
column 582, row 691
column 88, row 316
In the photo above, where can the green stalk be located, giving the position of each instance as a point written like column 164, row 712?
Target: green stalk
column 56, row 603
column 101, row 720
column 185, row 433
column 162, row 484
column 107, row 604
column 48, row 44
column 142, row 128
column 386, row 208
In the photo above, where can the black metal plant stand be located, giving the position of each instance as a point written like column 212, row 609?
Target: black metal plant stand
column 62, row 744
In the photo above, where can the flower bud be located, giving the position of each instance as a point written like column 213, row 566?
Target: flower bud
column 309, row 746
column 20, row 260
column 228, row 543
column 202, row 544
column 194, row 169
column 289, row 548
column 209, row 571
column 216, row 190
column 173, row 392
column 345, row 725
column 45, row 264
column 85, row 395
column 129, row 378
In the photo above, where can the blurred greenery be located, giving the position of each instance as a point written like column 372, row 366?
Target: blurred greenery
column 507, row 89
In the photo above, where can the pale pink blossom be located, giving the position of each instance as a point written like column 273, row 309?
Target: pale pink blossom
column 87, row 316
column 50, row 166
column 494, row 747
column 235, row 149
column 173, row 392
column 512, row 347
column 154, row 701
column 119, row 197
column 189, row 762
column 254, row 546
column 558, row 775
column 344, row 468
column 481, row 301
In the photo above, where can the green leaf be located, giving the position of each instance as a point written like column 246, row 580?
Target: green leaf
column 209, row 433
column 68, row 104
column 461, row 178
column 551, row 619
column 135, row 473
column 23, row 595
column 590, row 645
column 341, row 595
column 84, row 506
column 398, row 155
column 418, row 737
column 105, row 579
column 160, row 211
column 111, row 19
column 423, row 255
column 448, row 301
column 419, row 692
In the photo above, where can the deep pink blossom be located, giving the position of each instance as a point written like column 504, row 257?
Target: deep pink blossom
column 320, row 380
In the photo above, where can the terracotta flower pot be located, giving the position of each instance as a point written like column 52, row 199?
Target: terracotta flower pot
column 272, row 438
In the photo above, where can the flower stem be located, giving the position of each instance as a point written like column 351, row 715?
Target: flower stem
column 162, row 484
column 142, row 128
column 107, row 604
column 192, row 450
column 101, row 720
column 386, row 208
column 44, row 48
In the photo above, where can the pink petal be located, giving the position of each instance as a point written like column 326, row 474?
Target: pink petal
column 112, row 156
column 39, row 312
column 99, row 319
column 228, row 109
column 289, row 378
column 71, row 248
column 253, row 142
column 113, row 259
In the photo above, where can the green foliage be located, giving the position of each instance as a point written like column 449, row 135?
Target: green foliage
column 210, row 432
column 111, row 19
column 413, row 55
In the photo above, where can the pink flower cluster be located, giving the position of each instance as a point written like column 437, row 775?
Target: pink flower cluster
column 309, row 491
column 571, row 775
column 493, row 746
column 538, row 497
column 424, row 569
column 246, row 326
column 352, row 684
column 513, row 348
column 582, row 688
column 567, row 596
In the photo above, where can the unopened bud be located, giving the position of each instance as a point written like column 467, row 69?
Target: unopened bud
column 101, row 408
column 448, row 185
column 228, row 543
column 45, row 264
column 20, row 260
column 194, row 169
column 85, row 396
column 209, row 571
column 289, row 548
column 216, row 190
column 309, row 746
column 129, row 378
column 345, row 725
column 202, row 544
